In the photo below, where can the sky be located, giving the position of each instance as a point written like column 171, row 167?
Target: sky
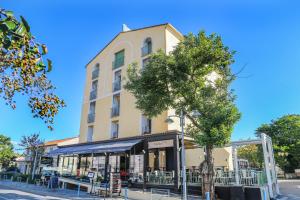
column 265, row 35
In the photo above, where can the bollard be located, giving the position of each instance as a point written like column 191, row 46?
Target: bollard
column 126, row 193
column 207, row 196
column 78, row 189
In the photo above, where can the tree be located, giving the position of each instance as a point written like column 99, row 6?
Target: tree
column 285, row 134
column 253, row 154
column 23, row 70
column 33, row 147
column 6, row 151
column 195, row 76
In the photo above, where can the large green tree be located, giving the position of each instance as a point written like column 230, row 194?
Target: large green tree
column 196, row 75
column 253, row 153
column 6, row 151
column 23, row 68
column 285, row 134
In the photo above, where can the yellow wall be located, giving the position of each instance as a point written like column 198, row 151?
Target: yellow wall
column 222, row 157
column 163, row 37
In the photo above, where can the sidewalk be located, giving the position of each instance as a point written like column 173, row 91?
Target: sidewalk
column 133, row 194
column 59, row 193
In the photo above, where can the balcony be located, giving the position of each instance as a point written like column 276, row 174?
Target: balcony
column 118, row 63
column 95, row 74
column 93, row 94
column 117, row 85
column 146, row 50
column 115, row 111
column 91, row 117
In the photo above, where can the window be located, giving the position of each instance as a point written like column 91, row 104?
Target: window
column 147, row 47
column 115, row 110
column 115, row 129
column 95, row 72
column 91, row 115
column 117, row 81
column 146, row 125
column 93, row 93
column 119, row 59
column 89, row 136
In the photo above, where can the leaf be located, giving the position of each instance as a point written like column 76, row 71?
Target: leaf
column 41, row 66
column 21, row 30
column 9, row 13
column 10, row 25
column 49, row 65
column 25, row 23
column 45, row 50
column 7, row 43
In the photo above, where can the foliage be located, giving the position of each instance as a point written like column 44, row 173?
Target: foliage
column 253, row 154
column 23, row 70
column 285, row 134
column 195, row 76
column 6, row 151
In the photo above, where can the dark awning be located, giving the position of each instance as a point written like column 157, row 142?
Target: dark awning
column 108, row 147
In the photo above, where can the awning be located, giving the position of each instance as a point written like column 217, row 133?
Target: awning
column 107, row 147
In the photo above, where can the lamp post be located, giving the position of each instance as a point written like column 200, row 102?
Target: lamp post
column 183, row 167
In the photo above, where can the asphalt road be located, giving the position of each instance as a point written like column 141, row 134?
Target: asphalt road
column 290, row 189
column 7, row 193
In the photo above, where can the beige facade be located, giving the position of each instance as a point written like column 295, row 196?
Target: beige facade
column 101, row 119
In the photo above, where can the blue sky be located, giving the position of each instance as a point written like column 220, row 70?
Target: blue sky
column 264, row 34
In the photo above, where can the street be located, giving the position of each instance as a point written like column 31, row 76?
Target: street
column 7, row 193
column 290, row 189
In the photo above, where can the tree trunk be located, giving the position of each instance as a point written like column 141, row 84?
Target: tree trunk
column 207, row 170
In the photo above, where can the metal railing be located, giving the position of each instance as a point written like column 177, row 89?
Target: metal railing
column 114, row 134
column 91, row 117
column 117, row 85
column 146, row 130
column 115, row 111
column 160, row 177
column 95, row 74
column 93, row 94
column 118, row 62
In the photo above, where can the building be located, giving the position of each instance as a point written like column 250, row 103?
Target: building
column 114, row 135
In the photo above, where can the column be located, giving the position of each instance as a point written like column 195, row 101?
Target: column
column 146, row 162
column 176, row 163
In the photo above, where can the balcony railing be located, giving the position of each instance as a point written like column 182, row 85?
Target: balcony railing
column 117, row 85
column 114, row 134
column 118, row 63
column 91, row 117
column 115, row 111
column 146, row 50
column 93, row 94
column 146, row 129
column 95, row 74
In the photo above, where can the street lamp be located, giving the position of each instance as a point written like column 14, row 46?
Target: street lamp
column 181, row 117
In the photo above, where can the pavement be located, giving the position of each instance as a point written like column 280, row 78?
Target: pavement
column 22, row 191
column 290, row 189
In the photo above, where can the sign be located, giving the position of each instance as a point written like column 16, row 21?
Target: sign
column 46, row 160
column 160, row 144
column 91, row 175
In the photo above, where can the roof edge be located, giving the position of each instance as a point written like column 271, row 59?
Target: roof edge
column 164, row 24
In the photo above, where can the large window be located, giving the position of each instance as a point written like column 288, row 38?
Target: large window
column 90, row 133
column 115, row 110
column 115, row 129
column 119, row 59
column 91, row 115
column 147, row 47
column 93, row 93
column 95, row 72
column 146, row 125
column 117, row 81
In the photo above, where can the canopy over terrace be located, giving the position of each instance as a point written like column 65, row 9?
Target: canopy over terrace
column 114, row 146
